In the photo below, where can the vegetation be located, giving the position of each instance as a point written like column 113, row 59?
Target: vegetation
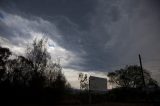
column 84, row 83
column 33, row 77
column 129, row 87
column 131, row 77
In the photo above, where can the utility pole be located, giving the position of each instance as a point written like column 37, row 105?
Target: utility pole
column 140, row 61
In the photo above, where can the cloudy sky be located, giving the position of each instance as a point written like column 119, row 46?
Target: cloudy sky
column 94, row 36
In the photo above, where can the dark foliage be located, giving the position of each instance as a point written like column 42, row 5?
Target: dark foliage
column 128, row 85
column 131, row 77
column 31, row 79
column 35, row 79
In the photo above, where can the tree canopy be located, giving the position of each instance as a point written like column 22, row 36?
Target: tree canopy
column 32, row 74
column 84, row 83
column 131, row 76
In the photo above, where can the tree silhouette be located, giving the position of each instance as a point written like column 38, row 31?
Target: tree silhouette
column 45, row 72
column 4, row 55
column 131, row 76
column 19, row 70
column 39, row 56
column 32, row 76
column 83, row 78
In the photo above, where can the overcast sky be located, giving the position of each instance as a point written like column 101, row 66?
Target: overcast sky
column 94, row 36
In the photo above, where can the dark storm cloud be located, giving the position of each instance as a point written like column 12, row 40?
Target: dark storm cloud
column 76, row 10
column 17, row 28
column 105, row 33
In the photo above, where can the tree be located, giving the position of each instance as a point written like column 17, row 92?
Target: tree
column 38, row 55
column 19, row 70
column 33, row 75
column 130, row 76
column 83, row 81
column 45, row 73
column 4, row 55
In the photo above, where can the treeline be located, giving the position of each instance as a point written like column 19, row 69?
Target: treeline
column 132, row 77
column 128, row 84
column 32, row 78
column 133, row 84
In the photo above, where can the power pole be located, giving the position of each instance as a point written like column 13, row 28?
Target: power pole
column 140, row 61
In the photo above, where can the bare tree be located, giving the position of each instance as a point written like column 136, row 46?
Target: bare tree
column 83, row 78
